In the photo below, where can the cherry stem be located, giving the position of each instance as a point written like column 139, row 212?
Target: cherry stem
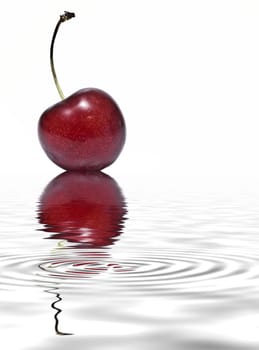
column 65, row 17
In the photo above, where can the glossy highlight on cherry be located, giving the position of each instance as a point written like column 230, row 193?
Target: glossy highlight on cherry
column 85, row 131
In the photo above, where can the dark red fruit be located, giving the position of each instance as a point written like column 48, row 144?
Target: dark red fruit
column 86, row 131
column 85, row 209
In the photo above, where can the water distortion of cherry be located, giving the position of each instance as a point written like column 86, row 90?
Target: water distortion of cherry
column 91, row 263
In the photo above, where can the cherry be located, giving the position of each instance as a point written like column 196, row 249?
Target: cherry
column 87, row 209
column 85, row 131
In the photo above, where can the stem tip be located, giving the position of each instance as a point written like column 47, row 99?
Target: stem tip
column 66, row 16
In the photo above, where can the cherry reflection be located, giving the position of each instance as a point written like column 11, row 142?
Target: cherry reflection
column 86, row 209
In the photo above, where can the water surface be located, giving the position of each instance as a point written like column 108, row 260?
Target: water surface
column 89, row 264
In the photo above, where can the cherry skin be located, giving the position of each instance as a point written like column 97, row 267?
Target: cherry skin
column 85, row 131
column 87, row 210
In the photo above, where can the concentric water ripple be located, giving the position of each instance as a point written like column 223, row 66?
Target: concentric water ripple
column 187, row 271
column 153, row 270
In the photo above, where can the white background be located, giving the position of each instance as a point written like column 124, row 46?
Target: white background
column 185, row 74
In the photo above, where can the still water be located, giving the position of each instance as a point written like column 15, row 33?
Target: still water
column 86, row 263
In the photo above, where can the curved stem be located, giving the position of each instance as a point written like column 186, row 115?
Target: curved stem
column 66, row 16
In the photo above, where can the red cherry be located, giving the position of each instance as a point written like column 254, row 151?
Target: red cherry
column 85, row 131
column 87, row 209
